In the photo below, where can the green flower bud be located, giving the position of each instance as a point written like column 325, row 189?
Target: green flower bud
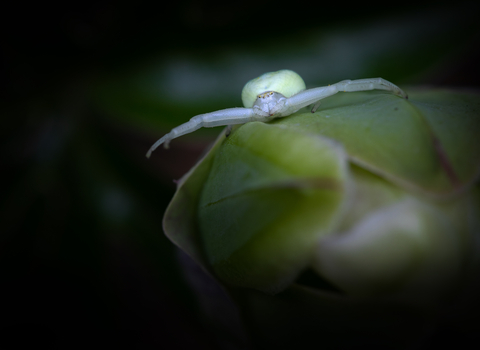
column 376, row 194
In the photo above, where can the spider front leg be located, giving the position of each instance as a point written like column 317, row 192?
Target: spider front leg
column 228, row 116
column 313, row 96
column 370, row 84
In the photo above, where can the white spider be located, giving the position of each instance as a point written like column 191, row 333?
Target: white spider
column 274, row 95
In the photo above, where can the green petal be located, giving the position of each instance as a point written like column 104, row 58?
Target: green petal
column 427, row 143
column 409, row 248
column 271, row 193
column 180, row 219
column 453, row 119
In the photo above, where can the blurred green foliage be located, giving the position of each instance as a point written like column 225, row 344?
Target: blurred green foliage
column 88, row 86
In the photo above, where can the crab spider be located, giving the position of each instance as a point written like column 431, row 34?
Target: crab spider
column 274, row 95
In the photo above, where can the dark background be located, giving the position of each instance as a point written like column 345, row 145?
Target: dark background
column 83, row 260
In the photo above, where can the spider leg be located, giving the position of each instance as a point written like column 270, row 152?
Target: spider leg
column 370, row 84
column 228, row 130
column 313, row 96
column 227, row 116
column 307, row 97
column 315, row 106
